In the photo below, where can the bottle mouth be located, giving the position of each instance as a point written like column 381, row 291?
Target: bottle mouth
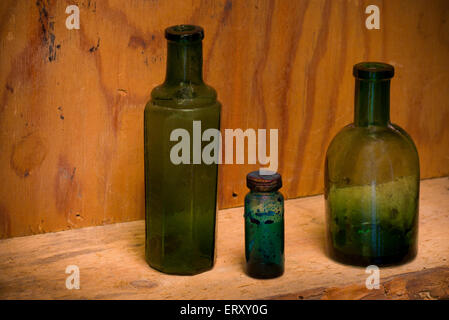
column 373, row 71
column 184, row 32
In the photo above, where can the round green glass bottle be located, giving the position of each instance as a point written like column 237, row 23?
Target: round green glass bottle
column 180, row 197
column 372, row 180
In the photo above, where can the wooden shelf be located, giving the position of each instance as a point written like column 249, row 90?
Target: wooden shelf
column 112, row 265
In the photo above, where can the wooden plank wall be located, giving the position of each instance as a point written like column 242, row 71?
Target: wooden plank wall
column 71, row 101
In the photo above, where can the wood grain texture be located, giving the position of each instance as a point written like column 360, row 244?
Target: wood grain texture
column 71, row 101
column 112, row 264
column 427, row 284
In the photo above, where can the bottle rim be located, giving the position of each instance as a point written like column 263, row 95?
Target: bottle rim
column 373, row 71
column 187, row 32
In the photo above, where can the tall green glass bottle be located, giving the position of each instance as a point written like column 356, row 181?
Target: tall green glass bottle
column 372, row 180
column 180, row 199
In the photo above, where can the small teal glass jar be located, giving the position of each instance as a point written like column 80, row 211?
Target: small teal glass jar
column 264, row 226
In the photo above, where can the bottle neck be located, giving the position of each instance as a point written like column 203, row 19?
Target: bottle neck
column 372, row 103
column 184, row 62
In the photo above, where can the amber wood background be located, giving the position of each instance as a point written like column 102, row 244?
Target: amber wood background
column 71, row 101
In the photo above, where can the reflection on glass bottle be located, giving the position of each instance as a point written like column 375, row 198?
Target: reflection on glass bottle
column 180, row 199
column 372, row 180
column 264, row 226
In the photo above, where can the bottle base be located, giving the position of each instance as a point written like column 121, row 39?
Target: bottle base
column 264, row 270
column 364, row 261
column 179, row 270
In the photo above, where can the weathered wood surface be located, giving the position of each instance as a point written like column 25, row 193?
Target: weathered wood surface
column 112, row 265
column 71, row 101
column 427, row 284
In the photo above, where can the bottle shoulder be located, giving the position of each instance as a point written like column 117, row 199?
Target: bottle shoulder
column 390, row 136
column 183, row 95
column 405, row 135
column 361, row 155
column 274, row 195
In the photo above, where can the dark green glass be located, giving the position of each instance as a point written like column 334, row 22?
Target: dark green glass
column 264, row 226
column 372, row 180
column 180, row 199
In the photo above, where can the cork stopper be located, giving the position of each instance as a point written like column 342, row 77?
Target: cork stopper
column 263, row 183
